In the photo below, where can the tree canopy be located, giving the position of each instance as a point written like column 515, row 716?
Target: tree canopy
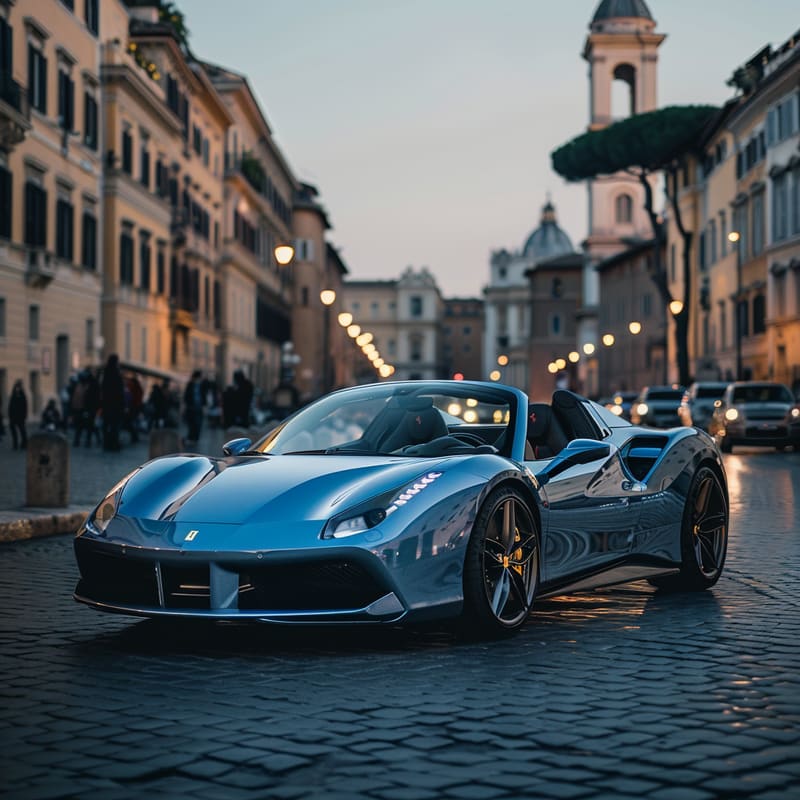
column 646, row 142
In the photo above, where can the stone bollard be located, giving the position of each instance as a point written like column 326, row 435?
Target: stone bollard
column 47, row 471
column 164, row 442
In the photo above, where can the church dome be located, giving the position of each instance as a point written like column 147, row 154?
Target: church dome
column 548, row 240
column 614, row 9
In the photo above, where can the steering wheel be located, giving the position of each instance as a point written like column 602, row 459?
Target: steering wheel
column 468, row 438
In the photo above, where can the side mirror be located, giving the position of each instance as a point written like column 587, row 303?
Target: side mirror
column 578, row 451
column 236, row 446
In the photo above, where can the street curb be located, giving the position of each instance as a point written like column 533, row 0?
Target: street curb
column 40, row 524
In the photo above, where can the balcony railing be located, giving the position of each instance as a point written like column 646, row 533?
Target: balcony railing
column 40, row 268
column 15, row 112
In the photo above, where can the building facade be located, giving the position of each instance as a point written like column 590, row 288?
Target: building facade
column 508, row 302
column 462, row 338
column 51, row 264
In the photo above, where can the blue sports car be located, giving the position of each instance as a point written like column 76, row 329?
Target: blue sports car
column 410, row 501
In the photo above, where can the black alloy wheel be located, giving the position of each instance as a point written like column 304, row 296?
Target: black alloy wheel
column 704, row 535
column 501, row 573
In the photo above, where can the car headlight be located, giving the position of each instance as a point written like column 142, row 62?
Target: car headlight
column 375, row 511
column 731, row 414
column 642, row 409
column 617, row 410
column 795, row 413
column 100, row 518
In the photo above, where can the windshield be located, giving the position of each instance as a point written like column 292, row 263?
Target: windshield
column 420, row 419
column 710, row 392
column 769, row 393
column 665, row 394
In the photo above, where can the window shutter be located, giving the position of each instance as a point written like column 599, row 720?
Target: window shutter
column 6, row 183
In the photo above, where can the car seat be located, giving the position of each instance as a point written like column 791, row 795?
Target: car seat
column 421, row 422
column 545, row 435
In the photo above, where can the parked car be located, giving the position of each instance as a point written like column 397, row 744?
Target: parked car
column 657, row 406
column 412, row 500
column 697, row 405
column 758, row 413
column 621, row 403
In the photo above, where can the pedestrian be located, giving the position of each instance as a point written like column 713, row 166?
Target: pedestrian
column 18, row 415
column 51, row 416
column 113, row 402
column 193, row 401
column 244, row 398
column 157, row 402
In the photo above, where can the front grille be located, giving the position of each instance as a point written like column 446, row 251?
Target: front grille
column 325, row 585
column 766, row 415
column 117, row 580
column 331, row 584
column 186, row 587
column 778, row 432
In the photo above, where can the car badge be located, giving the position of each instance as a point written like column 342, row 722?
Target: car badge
column 190, row 537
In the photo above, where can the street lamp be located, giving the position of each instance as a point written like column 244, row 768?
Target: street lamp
column 345, row 319
column 733, row 238
column 608, row 339
column 284, row 253
column 502, row 360
column 327, row 298
column 635, row 327
column 675, row 307
column 353, row 331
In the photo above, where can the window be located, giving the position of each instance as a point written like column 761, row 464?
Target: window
column 126, row 259
column 144, row 164
column 742, row 318
column 35, row 215
column 780, row 211
column 647, row 305
column 415, row 302
column 624, row 209
column 37, row 79
column 723, row 234
column 759, row 314
column 144, row 344
column 555, row 325
column 197, row 140
column 65, row 217
column 723, row 325
column 92, row 15
column 712, row 241
column 144, row 261
column 2, row 317
column 89, row 241
column 701, row 250
column 127, row 152
column 160, row 271
column 758, row 223
column 557, row 288
column 304, row 296
column 66, row 101
column 373, row 310
column 6, row 205
column 672, row 262
column 391, row 347
column 796, row 200
column 415, row 348
column 33, row 323
column 90, row 121
column 127, row 351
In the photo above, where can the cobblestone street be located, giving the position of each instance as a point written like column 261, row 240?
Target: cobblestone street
column 622, row 693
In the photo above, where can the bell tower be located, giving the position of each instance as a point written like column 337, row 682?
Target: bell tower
column 622, row 51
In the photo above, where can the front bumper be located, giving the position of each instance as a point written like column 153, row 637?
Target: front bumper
column 343, row 586
column 768, row 434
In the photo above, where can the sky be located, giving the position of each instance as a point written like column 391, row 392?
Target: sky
column 427, row 125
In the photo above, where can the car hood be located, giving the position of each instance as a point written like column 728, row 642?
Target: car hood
column 243, row 489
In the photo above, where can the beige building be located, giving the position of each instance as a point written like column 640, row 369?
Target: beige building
column 404, row 317
column 319, row 341
column 256, row 292
column 50, row 166
column 164, row 126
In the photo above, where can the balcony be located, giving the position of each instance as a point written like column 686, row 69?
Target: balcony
column 181, row 318
column 15, row 112
column 40, row 268
column 179, row 226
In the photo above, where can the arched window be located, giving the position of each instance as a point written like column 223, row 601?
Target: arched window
column 623, row 91
column 624, row 208
column 558, row 288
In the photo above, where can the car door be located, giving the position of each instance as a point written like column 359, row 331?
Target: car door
column 592, row 510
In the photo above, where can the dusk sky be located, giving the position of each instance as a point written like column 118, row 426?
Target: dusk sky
column 427, row 125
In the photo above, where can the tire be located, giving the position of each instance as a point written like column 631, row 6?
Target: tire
column 501, row 569
column 704, row 535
